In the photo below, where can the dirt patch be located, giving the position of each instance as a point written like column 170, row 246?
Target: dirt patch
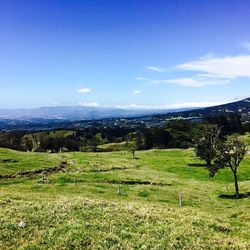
column 135, row 182
column 49, row 170
column 233, row 196
column 8, row 160
column 109, row 169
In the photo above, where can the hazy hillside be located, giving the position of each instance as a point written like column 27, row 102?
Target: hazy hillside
column 81, row 117
column 241, row 108
column 74, row 113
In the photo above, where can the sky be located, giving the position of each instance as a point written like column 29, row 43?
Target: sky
column 124, row 54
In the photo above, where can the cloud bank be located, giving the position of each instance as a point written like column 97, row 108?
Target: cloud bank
column 208, row 70
column 228, row 67
column 83, row 91
column 154, row 107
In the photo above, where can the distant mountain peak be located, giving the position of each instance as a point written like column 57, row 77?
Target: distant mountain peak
column 246, row 100
column 241, row 108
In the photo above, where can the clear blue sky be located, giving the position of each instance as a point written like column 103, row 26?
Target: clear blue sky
column 124, row 53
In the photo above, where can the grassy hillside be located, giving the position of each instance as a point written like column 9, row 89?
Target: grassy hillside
column 246, row 139
column 12, row 161
column 111, row 201
column 117, row 146
column 48, row 134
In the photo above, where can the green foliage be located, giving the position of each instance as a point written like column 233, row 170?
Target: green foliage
column 206, row 143
column 177, row 133
column 116, row 146
column 143, row 194
column 230, row 153
column 229, row 124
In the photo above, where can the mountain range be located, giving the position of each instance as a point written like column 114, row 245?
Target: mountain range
column 76, row 113
column 80, row 117
column 241, row 108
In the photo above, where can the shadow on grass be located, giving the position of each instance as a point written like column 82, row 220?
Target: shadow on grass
column 201, row 165
column 233, row 196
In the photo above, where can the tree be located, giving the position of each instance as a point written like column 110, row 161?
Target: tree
column 205, row 145
column 229, row 123
column 138, row 141
column 229, row 154
column 27, row 142
column 133, row 148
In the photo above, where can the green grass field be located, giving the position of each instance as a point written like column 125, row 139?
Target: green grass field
column 13, row 161
column 111, row 201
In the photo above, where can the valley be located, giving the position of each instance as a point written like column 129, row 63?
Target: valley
column 160, row 199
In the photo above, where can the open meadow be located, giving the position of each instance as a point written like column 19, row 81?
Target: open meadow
column 163, row 199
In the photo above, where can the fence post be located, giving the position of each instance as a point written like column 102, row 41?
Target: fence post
column 119, row 189
column 180, row 200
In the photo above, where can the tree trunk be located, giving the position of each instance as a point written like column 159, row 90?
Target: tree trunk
column 133, row 153
column 236, row 184
column 208, row 163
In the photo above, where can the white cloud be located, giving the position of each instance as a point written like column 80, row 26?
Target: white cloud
column 155, row 107
column 195, row 104
column 156, row 69
column 90, row 104
column 131, row 106
column 171, row 106
column 199, row 80
column 229, row 67
column 140, row 78
column 240, row 97
column 83, row 90
column 137, row 92
column 210, row 70
column 196, row 81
